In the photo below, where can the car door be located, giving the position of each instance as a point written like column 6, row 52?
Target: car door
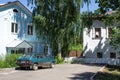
column 42, row 60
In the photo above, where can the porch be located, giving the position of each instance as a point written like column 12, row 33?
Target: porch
column 19, row 46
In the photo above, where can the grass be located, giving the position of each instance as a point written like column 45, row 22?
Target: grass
column 109, row 73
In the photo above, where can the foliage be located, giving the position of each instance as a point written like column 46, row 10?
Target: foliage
column 108, row 5
column 77, row 61
column 115, row 38
column 76, row 47
column 59, row 60
column 74, row 61
column 57, row 22
column 9, row 61
column 87, row 19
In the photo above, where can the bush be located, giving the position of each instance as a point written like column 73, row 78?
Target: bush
column 73, row 61
column 78, row 61
column 76, row 47
column 59, row 60
column 9, row 61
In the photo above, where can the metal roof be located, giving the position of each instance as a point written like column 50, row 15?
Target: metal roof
column 19, row 44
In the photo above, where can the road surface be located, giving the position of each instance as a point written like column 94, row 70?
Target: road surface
column 60, row 72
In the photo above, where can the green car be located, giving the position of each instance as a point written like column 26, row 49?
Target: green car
column 35, row 60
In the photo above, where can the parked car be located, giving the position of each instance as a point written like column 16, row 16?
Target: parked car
column 35, row 60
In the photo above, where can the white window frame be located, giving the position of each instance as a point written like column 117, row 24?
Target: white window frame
column 14, row 28
column 94, row 32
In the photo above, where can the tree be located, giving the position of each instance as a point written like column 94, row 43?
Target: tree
column 107, row 5
column 115, row 38
column 57, row 22
column 87, row 16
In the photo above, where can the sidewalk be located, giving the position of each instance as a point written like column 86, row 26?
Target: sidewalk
column 6, row 70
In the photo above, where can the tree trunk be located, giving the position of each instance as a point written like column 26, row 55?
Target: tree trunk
column 59, row 50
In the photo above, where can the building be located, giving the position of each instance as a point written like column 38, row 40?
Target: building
column 97, row 48
column 17, row 32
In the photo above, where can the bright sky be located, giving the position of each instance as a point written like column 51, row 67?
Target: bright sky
column 92, row 6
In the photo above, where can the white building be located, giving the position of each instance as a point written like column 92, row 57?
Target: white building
column 96, row 45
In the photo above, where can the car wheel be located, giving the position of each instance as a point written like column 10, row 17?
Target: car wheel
column 52, row 65
column 35, row 66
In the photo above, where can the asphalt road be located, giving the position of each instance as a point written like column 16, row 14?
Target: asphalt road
column 60, row 72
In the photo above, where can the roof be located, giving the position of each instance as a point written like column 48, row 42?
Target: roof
column 17, row 3
column 19, row 44
column 98, row 16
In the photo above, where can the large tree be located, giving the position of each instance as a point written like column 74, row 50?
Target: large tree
column 57, row 22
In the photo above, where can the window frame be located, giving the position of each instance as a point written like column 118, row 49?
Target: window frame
column 46, row 48
column 99, row 33
column 99, row 55
column 30, row 50
column 113, row 55
column 30, row 29
column 109, row 32
column 14, row 28
column 16, row 51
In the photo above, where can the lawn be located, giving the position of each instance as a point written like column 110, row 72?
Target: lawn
column 109, row 73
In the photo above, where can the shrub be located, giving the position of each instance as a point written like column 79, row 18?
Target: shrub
column 9, row 61
column 2, row 63
column 59, row 60
column 73, row 61
column 78, row 61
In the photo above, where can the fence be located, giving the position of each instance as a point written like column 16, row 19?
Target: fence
column 101, row 61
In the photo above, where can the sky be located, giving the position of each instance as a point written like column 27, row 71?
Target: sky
column 92, row 6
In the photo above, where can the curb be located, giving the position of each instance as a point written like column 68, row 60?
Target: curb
column 100, row 70
column 5, row 69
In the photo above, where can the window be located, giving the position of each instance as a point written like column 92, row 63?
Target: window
column 13, row 52
column 109, row 31
column 15, row 10
column 112, row 55
column 99, row 55
column 46, row 50
column 97, row 32
column 14, row 28
column 30, row 30
column 30, row 50
column 16, row 52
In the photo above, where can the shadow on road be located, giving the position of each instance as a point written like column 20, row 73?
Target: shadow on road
column 82, row 76
column 28, row 69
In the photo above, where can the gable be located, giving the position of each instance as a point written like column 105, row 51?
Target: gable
column 15, row 4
